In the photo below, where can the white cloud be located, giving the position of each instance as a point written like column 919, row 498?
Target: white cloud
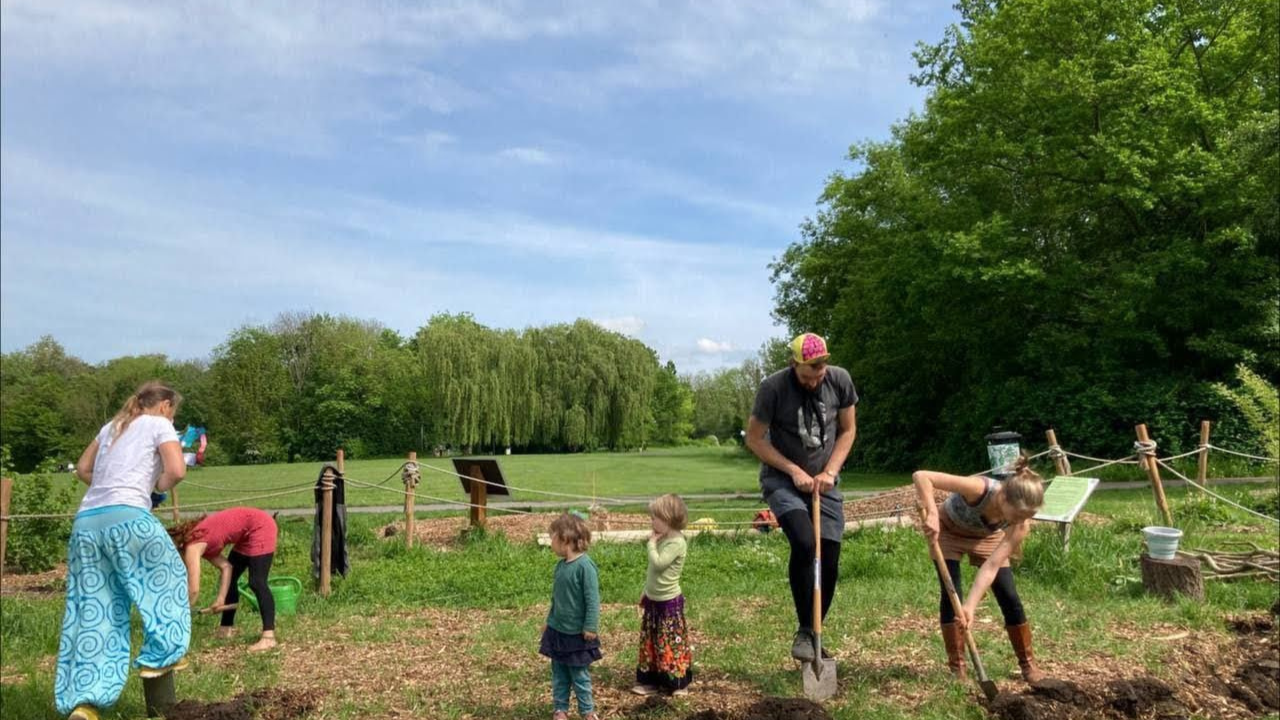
column 243, row 253
column 427, row 142
column 627, row 325
column 340, row 52
column 345, row 86
column 713, row 347
column 528, row 155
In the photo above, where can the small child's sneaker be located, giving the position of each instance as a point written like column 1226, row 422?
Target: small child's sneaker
column 560, row 715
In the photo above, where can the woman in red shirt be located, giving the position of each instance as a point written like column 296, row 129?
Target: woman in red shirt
column 251, row 533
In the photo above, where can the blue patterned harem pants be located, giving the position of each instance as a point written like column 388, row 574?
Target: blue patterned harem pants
column 119, row 557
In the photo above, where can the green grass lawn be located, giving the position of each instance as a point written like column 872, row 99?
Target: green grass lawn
column 452, row 633
column 692, row 470
column 684, row 470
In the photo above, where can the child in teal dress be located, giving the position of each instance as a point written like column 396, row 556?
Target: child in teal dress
column 571, row 637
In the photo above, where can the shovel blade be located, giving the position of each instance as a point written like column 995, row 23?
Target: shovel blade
column 989, row 688
column 819, row 679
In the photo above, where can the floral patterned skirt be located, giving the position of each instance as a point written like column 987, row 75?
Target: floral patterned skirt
column 665, row 658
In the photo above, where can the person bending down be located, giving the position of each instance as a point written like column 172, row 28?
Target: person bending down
column 251, row 533
column 987, row 520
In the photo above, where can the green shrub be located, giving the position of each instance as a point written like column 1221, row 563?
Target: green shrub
column 215, row 455
column 1205, row 509
column 1258, row 401
column 38, row 544
column 1268, row 504
column 355, row 449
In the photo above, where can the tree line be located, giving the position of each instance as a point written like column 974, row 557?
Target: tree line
column 306, row 384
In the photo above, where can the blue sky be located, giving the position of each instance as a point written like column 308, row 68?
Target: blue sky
column 171, row 171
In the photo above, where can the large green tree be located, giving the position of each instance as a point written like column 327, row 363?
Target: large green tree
column 248, row 386
column 1079, row 230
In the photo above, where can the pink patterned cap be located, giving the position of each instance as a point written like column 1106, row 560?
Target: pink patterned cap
column 808, row 349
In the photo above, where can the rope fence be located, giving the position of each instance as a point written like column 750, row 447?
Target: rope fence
column 1207, row 491
column 413, row 471
column 215, row 503
column 410, row 472
column 1244, row 455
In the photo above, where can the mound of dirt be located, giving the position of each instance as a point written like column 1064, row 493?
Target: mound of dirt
column 1257, row 684
column 1253, row 625
column 1241, row 680
column 264, row 704
column 768, row 709
column 1133, row 697
column 1059, row 699
column 449, row 532
column 901, row 501
column 45, row 584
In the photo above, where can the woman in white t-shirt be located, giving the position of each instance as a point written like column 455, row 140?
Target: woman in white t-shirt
column 120, row 556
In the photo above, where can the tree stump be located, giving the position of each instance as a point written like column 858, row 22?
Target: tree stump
column 1167, row 578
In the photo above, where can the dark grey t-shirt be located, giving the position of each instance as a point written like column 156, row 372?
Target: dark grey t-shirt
column 802, row 424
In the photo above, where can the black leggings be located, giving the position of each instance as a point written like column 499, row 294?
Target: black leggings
column 797, row 525
column 1002, row 587
column 259, row 566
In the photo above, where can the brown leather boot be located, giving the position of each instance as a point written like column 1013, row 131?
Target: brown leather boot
column 1020, row 637
column 953, row 640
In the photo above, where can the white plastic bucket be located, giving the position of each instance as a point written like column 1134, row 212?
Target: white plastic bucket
column 1162, row 542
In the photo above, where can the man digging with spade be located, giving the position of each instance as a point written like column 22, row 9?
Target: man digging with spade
column 802, row 428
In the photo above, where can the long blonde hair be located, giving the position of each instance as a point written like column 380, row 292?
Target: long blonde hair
column 1024, row 492
column 149, row 395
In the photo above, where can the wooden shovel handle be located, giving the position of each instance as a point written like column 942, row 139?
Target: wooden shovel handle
column 817, row 559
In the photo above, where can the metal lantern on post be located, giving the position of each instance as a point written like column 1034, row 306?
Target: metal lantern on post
column 1003, row 450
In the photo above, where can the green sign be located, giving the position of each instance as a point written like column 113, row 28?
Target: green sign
column 1065, row 497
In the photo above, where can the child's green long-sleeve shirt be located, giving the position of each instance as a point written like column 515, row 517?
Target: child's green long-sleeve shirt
column 666, row 561
column 575, row 597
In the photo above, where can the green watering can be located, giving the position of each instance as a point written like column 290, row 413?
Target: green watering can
column 284, row 588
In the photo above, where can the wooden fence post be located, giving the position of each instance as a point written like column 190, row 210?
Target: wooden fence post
column 1060, row 461
column 326, row 530
column 1063, row 465
column 479, row 498
column 6, row 492
column 1203, row 471
column 1153, row 471
column 409, row 485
